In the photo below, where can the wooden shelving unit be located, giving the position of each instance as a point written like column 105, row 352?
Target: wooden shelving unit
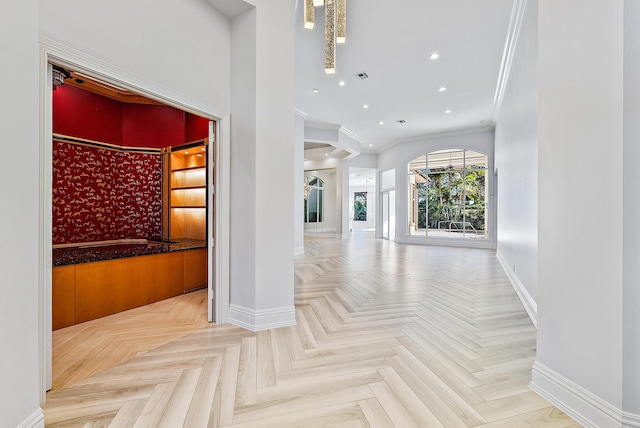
column 188, row 192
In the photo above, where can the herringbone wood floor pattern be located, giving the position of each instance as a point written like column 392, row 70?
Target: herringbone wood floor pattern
column 387, row 335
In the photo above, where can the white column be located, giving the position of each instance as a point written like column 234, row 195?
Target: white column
column 262, row 161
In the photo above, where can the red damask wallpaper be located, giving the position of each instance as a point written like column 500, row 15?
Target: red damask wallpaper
column 101, row 194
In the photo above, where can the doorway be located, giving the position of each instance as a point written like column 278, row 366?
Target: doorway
column 217, row 244
column 362, row 200
column 389, row 215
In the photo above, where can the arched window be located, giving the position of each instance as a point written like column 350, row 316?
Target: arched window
column 448, row 194
column 313, row 199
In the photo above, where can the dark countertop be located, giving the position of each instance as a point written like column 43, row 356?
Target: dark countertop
column 75, row 255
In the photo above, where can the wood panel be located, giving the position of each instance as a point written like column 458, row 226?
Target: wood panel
column 195, row 269
column 108, row 287
column 63, row 297
column 88, row 291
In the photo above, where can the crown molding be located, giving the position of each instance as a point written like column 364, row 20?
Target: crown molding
column 443, row 134
column 300, row 113
column 351, row 134
column 515, row 25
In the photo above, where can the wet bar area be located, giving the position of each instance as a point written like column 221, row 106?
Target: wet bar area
column 129, row 208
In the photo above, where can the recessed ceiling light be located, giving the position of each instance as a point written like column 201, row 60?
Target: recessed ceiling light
column 365, row 106
column 434, row 55
column 370, row 145
column 447, row 111
column 442, row 89
column 381, row 123
column 326, row 154
column 341, row 83
column 315, row 91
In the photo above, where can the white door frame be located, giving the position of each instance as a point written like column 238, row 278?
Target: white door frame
column 54, row 52
column 387, row 189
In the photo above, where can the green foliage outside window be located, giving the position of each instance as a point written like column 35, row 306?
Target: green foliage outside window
column 360, row 206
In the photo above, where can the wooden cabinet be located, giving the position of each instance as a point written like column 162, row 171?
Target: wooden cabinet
column 188, row 192
column 87, row 291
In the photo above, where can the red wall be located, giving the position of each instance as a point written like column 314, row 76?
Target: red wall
column 195, row 128
column 152, row 126
column 82, row 114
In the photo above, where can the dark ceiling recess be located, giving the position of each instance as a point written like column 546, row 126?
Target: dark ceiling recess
column 362, row 75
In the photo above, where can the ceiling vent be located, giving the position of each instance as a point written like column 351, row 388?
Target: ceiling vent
column 401, row 121
column 362, row 75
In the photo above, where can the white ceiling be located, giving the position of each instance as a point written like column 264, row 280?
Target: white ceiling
column 391, row 41
column 230, row 8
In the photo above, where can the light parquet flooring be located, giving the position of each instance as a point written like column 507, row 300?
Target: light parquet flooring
column 84, row 349
column 387, row 335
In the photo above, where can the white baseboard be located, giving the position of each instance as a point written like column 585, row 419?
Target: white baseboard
column 630, row 420
column 36, row 420
column 262, row 319
column 445, row 242
column 583, row 406
column 527, row 300
column 297, row 251
column 327, row 234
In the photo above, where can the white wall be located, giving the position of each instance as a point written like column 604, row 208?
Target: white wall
column 19, row 187
column 363, row 160
column 580, row 239
column 401, row 154
column 516, row 159
column 631, row 296
column 183, row 46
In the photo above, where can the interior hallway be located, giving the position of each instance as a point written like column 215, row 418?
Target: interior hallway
column 387, row 335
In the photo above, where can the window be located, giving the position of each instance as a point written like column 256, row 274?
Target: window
column 448, row 194
column 313, row 199
column 360, row 206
